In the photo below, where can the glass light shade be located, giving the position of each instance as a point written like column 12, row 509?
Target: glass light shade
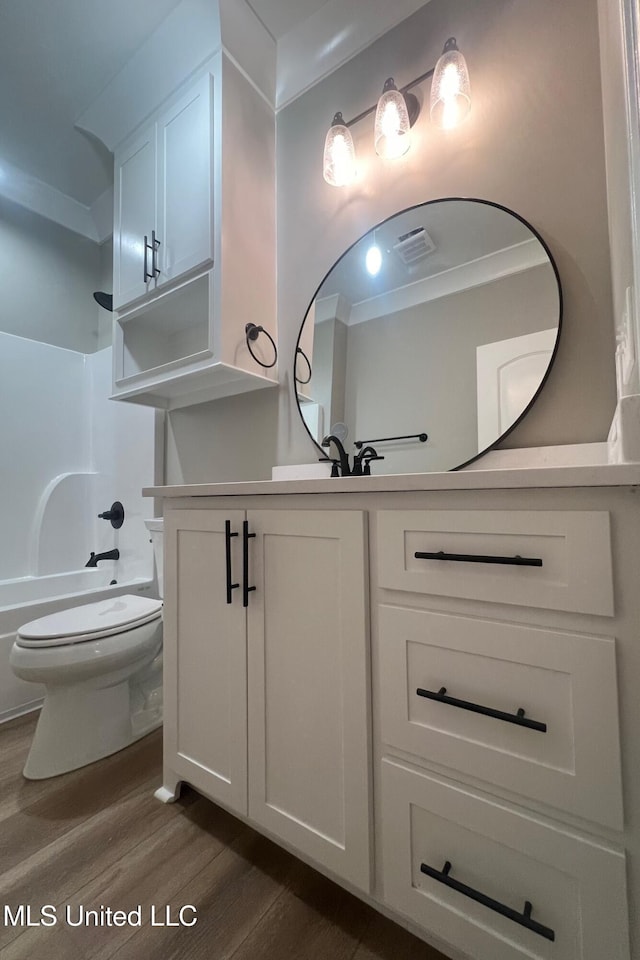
column 391, row 131
column 339, row 163
column 450, row 88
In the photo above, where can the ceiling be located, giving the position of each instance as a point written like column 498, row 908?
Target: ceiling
column 55, row 58
column 281, row 16
column 58, row 56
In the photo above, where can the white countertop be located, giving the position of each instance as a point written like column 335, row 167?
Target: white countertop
column 595, row 475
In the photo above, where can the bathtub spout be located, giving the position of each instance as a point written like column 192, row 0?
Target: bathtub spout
column 95, row 557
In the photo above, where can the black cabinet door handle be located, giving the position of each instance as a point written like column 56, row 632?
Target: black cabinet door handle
column 246, row 589
column 155, row 270
column 227, row 538
column 518, row 718
column 524, row 918
column 147, row 275
column 516, row 561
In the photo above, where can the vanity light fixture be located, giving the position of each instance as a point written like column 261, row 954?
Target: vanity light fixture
column 339, row 164
column 396, row 112
column 450, row 88
column 391, row 130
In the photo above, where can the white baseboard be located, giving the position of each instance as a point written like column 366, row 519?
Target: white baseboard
column 7, row 715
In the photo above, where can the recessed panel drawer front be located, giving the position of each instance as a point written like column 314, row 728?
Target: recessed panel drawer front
column 475, row 677
column 495, row 883
column 557, row 560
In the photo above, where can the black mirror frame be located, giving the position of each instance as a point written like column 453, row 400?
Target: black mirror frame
column 426, row 203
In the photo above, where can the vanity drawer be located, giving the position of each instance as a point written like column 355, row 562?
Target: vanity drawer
column 558, row 560
column 504, row 859
column 564, row 751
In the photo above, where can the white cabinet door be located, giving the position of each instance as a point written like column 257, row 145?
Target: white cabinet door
column 205, row 656
column 185, row 179
column 308, row 696
column 135, row 217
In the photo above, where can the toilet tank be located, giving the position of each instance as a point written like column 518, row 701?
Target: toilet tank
column 155, row 528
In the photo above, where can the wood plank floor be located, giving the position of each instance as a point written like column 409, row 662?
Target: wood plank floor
column 98, row 837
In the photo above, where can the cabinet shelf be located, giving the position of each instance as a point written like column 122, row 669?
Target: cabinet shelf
column 194, row 384
column 164, row 352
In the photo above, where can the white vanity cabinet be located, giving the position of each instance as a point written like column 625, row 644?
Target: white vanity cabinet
column 201, row 167
column 504, row 645
column 266, row 666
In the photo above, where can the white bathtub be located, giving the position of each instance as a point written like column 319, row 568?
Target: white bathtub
column 32, row 597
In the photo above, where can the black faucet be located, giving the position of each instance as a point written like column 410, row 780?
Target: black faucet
column 345, row 469
column 109, row 555
column 366, row 455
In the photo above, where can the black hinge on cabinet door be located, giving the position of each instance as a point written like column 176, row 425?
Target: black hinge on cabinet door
column 246, row 589
column 227, row 536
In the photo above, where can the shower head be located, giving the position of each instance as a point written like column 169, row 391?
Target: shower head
column 104, row 299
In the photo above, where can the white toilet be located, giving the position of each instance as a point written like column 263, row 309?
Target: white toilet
column 101, row 664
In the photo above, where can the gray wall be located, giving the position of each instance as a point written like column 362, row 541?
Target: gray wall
column 105, row 319
column 533, row 142
column 230, row 439
column 47, row 277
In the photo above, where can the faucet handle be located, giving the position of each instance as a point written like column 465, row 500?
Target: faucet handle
column 115, row 515
column 335, row 472
column 367, row 465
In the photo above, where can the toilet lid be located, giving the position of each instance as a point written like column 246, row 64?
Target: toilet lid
column 91, row 620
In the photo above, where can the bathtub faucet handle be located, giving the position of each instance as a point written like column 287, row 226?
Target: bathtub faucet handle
column 115, row 515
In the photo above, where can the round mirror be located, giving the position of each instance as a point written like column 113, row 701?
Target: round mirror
column 431, row 336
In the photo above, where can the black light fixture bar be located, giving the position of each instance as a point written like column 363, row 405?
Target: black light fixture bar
column 403, row 91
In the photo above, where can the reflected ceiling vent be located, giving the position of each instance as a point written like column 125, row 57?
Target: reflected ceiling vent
column 414, row 246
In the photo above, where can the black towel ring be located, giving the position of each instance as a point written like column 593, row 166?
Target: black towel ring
column 298, row 380
column 252, row 332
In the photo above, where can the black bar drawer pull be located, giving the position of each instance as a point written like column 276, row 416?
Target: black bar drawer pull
column 517, row 718
column 246, row 589
column 227, row 537
column 524, row 918
column 516, row 561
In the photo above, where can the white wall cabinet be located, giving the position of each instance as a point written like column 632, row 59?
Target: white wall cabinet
column 266, row 658
column 181, row 297
column 502, row 637
column 163, row 225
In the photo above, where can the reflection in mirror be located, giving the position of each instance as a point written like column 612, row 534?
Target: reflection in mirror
column 449, row 332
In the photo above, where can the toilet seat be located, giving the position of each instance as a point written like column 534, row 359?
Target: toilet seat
column 90, row 621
